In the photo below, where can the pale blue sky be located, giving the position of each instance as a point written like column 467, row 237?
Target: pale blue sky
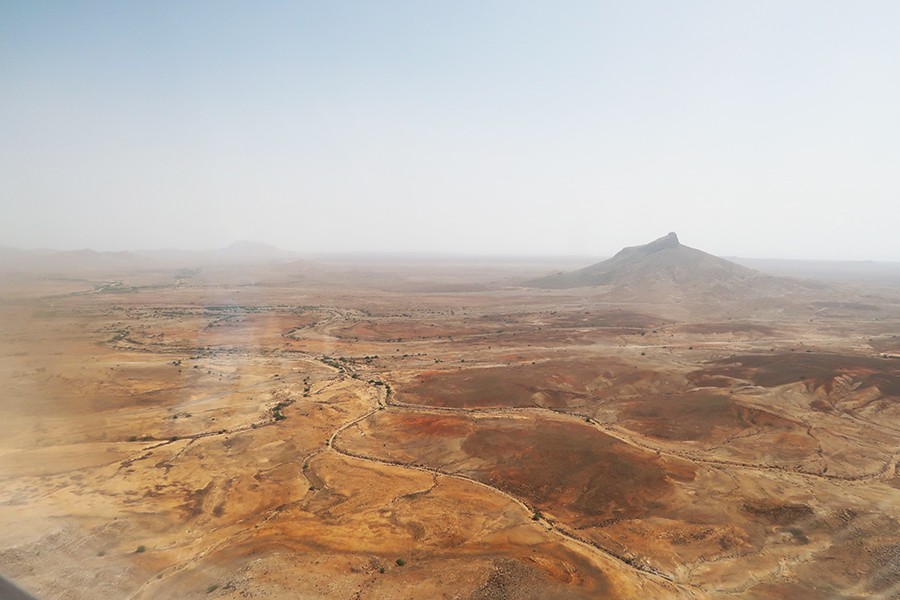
column 753, row 128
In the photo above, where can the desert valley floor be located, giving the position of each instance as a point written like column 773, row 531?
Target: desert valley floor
column 443, row 431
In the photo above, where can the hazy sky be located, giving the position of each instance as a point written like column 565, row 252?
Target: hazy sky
column 752, row 128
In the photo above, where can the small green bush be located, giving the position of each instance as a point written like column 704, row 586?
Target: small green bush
column 400, row 562
column 140, row 549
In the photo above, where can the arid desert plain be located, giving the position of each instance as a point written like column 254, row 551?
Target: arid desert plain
column 447, row 429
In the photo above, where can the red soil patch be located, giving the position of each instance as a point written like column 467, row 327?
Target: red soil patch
column 573, row 466
column 554, row 384
column 696, row 416
column 481, row 388
column 569, row 469
column 729, row 327
column 424, row 425
column 389, row 331
column 777, row 513
column 816, row 369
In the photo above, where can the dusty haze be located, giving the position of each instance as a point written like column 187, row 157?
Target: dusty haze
column 763, row 130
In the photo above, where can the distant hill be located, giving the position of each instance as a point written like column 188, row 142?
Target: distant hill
column 249, row 249
column 238, row 252
column 43, row 260
column 14, row 260
column 666, row 267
